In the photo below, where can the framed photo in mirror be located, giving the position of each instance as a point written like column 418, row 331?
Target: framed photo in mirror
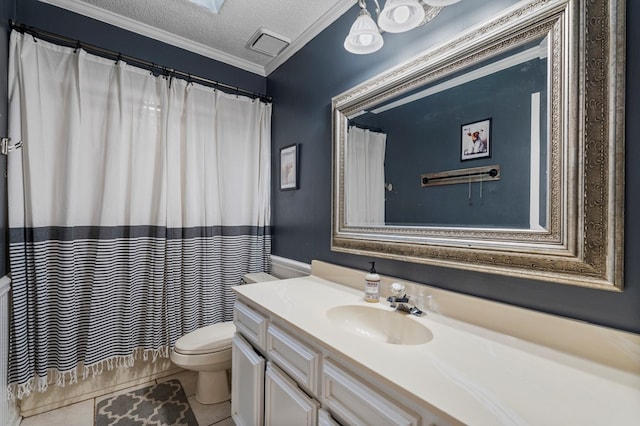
column 289, row 167
column 476, row 140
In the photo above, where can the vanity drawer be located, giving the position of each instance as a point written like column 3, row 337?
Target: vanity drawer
column 251, row 324
column 299, row 360
column 355, row 402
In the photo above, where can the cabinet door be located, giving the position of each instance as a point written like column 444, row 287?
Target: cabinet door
column 285, row 404
column 247, row 384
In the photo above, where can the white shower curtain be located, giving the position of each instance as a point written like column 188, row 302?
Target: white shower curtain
column 134, row 204
column 364, row 177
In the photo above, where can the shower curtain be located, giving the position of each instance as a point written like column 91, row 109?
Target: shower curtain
column 364, row 177
column 135, row 202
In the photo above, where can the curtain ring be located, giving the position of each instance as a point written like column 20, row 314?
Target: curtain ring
column 78, row 46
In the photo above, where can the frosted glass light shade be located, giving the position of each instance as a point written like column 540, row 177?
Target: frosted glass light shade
column 364, row 36
column 440, row 2
column 399, row 16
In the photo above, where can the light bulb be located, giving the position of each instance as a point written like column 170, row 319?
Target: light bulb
column 365, row 39
column 401, row 14
column 364, row 36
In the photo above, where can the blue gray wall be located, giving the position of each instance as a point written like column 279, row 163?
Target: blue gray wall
column 303, row 88
column 424, row 136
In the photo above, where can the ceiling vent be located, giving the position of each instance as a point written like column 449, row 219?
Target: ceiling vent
column 268, row 42
column 212, row 5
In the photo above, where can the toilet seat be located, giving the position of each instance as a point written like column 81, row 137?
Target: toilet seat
column 206, row 340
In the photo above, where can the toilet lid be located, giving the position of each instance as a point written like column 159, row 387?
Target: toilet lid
column 212, row 338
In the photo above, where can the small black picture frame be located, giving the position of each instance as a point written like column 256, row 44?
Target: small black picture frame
column 475, row 141
column 289, row 167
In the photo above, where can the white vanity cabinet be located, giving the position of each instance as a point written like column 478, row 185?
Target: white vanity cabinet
column 305, row 383
column 330, row 347
column 275, row 396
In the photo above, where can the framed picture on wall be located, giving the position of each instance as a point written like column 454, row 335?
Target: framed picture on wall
column 289, row 171
column 476, row 140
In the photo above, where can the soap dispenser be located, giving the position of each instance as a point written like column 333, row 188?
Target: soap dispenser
column 372, row 285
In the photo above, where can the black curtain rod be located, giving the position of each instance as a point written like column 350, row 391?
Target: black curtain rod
column 140, row 63
column 365, row 127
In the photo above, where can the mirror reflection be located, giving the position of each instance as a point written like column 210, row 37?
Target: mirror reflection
column 429, row 156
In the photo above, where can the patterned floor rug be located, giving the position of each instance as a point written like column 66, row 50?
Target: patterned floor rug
column 157, row 405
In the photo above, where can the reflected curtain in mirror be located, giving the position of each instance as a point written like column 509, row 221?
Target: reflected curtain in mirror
column 364, row 178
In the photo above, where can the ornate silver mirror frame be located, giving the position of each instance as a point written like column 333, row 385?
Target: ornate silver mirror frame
column 583, row 240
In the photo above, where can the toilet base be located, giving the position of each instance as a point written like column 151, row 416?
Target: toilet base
column 213, row 387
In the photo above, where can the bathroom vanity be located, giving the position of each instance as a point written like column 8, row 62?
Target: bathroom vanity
column 310, row 351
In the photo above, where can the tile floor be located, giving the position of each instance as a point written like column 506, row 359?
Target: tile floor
column 82, row 413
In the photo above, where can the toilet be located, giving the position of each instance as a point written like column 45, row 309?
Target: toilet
column 207, row 350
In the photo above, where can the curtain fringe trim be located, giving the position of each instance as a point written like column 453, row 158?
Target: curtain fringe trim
column 70, row 377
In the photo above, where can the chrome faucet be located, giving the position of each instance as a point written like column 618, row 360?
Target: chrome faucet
column 401, row 303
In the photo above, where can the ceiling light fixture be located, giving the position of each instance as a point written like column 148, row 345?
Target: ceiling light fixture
column 397, row 16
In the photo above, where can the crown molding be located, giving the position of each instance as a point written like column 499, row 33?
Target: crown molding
column 132, row 25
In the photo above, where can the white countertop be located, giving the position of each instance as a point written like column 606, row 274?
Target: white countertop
column 475, row 375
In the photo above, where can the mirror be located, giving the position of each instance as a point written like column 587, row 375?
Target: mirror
column 442, row 125
column 501, row 151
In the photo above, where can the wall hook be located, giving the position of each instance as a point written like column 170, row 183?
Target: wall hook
column 5, row 148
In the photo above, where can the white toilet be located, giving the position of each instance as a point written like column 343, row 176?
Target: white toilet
column 207, row 350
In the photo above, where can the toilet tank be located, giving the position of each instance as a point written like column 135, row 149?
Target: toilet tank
column 257, row 277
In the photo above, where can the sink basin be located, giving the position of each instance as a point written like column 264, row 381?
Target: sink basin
column 396, row 328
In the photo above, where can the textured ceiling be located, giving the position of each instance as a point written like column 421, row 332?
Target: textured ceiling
column 223, row 36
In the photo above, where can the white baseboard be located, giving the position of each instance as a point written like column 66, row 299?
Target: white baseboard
column 282, row 267
column 12, row 416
